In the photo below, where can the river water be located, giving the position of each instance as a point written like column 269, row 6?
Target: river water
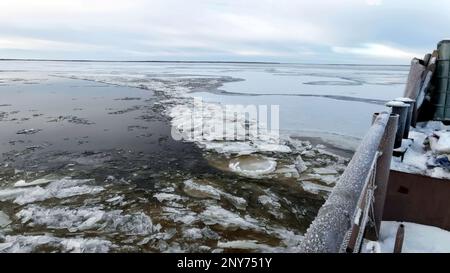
column 88, row 162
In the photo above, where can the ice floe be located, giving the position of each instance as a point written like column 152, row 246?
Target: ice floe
column 26, row 244
column 193, row 233
column 42, row 181
column 253, row 166
column 28, row 131
column 269, row 201
column 300, row 164
column 315, row 188
column 272, row 203
column 4, row 219
column 11, row 193
column 87, row 218
column 216, row 215
column 180, row 215
column 167, row 197
column 290, row 242
column 245, row 245
column 213, row 128
column 325, row 171
column 63, row 188
column 195, row 189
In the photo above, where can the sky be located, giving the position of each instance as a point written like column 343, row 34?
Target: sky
column 297, row 31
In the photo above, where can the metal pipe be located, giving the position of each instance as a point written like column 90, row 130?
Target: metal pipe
column 401, row 109
column 382, row 174
column 412, row 104
column 399, row 237
column 327, row 232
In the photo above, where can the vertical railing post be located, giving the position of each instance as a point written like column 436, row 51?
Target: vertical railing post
column 382, row 174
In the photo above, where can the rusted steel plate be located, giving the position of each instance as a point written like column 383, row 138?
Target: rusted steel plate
column 418, row 199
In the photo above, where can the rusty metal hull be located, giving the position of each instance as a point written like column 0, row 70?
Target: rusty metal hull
column 418, row 199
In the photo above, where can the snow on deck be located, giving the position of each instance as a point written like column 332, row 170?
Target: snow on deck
column 418, row 239
column 429, row 153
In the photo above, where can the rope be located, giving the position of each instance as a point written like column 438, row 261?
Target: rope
column 365, row 210
column 372, row 216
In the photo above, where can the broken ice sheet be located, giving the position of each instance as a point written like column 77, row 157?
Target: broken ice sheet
column 28, row 131
column 315, row 188
column 89, row 218
column 199, row 189
column 60, row 189
column 216, row 215
column 4, row 219
column 43, row 189
column 26, row 244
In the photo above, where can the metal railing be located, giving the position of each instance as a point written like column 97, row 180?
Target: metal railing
column 341, row 221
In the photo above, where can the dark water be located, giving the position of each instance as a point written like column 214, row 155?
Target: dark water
column 78, row 117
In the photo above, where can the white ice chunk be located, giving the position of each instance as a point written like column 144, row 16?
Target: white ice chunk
column 197, row 190
column 209, row 126
column 269, row 201
column 162, row 196
column 42, row 181
column 60, row 189
column 215, row 215
column 193, row 233
column 252, row 166
column 300, row 164
column 315, row 188
column 327, row 170
column 9, row 194
column 272, row 203
column 245, row 245
column 86, row 219
column 4, row 219
column 26, row 244
column 180, row 215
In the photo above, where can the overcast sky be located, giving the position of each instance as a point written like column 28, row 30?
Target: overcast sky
column 322, row 31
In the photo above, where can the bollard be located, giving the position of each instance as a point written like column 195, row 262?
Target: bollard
column 411, row 104
column 401, row 109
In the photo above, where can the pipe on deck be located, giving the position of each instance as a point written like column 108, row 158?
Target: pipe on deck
column 328, row 230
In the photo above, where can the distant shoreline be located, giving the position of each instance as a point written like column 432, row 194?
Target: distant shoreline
column 194, row 62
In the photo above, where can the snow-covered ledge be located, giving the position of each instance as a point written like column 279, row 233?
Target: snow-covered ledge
column 429, row 153
column 417, row 239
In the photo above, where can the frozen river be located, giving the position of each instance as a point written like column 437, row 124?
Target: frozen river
column 88, row 162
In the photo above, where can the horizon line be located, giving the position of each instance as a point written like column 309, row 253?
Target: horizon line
column 190, row 61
